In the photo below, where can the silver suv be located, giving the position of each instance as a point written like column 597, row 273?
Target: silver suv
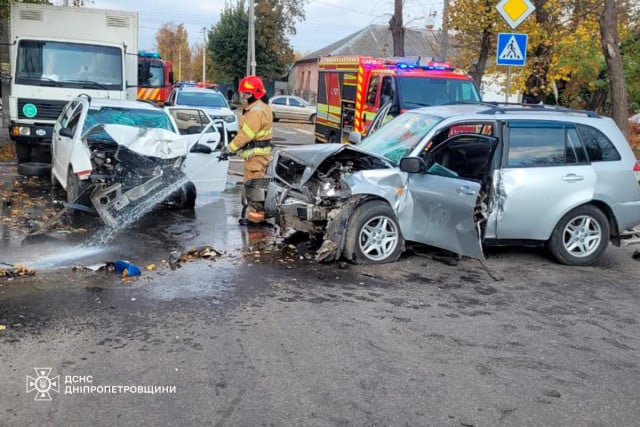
column 460, row 176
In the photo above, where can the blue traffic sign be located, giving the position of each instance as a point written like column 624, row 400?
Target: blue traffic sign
column 512, row 49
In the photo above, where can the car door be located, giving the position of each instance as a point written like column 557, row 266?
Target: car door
column 206, row 138
column 63, row 145
column 439, row 202
column 297, row 110
column 279, row 108
column 545, row 172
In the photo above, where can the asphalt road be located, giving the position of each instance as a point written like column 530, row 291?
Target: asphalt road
column 262, row 335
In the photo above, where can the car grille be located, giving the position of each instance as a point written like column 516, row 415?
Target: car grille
column 47, row 110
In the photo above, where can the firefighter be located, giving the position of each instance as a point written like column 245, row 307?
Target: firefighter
column 253, row 142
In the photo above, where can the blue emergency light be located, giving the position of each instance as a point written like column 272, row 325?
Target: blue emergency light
column 144, row 54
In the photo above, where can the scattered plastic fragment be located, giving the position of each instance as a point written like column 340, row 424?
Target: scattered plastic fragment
column 201, row 252
column 126, row 268
column 15, row 270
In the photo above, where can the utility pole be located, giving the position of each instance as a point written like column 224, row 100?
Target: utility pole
column 204, row 56
column 251, row 42
column 180, row 64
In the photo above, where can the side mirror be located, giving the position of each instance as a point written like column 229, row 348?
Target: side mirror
column 355, row 137
column 412, row 165
column 200, row 148
column 171, row 77
column 66, row 132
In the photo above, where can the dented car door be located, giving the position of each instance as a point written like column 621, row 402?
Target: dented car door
column 439, row 204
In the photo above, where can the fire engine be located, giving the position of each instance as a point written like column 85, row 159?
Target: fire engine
column 155, row 77
column 351, row 90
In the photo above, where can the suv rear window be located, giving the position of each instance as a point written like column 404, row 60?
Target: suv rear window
column 599, row 147
column 534, row 144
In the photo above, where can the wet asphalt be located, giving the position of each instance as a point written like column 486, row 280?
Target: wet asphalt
column 262, row 335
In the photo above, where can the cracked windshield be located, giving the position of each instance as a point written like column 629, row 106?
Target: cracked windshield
column 399, row 137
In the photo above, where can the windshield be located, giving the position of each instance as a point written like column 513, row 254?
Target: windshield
column 425, row 91
column 47, row 63
column 399, row 137
column 203, row 98
column 128, row 116
column 156, row 76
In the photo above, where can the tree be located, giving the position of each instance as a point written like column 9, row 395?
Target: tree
column 275, row 19
column 397, row 29
column 609, row 33
column 172, row 43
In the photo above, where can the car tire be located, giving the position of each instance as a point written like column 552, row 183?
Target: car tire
column 34, row 169
column 580, row 237
column 23, row 153
column 186, row 196
column 76, row 190
column 312, row 119
column 275, row 119
column 373, row 235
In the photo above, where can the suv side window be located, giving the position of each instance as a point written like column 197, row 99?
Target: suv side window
column 599, row 147
column 540, row 143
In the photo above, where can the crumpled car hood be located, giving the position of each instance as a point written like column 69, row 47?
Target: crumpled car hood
column 312, row 156
column 149, row 142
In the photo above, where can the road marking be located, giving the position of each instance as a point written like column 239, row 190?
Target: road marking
column 308, row 132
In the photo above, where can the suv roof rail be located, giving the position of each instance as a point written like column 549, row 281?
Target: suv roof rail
column 510, row 107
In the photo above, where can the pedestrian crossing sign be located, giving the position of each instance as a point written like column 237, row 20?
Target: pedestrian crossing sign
column 512, row 49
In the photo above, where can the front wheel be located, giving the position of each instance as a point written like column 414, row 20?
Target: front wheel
column 373, row 235
column 312, row 119
column 580, row 237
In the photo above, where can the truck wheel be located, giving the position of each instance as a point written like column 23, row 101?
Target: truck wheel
column 373, row 235
column 332, row 139
column 23, row 152
column 580, row 237
column 34, row 169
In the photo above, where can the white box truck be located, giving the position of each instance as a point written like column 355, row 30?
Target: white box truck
column 55, row 54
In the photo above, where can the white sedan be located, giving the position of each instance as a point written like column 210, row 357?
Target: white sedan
column 114, row 155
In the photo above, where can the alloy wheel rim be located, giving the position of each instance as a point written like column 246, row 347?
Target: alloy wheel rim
column 378, row 238
column 582, row 236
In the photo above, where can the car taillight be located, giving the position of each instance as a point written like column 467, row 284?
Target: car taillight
column 636, row 170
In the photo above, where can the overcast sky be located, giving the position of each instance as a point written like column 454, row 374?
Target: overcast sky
column 326, row 20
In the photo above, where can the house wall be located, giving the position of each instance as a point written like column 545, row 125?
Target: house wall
column 306, row 80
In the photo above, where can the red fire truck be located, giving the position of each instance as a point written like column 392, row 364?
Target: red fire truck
column 155, row 77
column 351, row 90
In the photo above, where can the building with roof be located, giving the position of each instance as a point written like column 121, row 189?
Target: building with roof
column 373, row 40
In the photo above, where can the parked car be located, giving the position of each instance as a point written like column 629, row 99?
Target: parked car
column 460, row 176
column 292, row 108
column 112, row 155
column 212, row 101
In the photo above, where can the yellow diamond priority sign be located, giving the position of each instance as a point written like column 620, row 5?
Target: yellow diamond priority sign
column 515, row 11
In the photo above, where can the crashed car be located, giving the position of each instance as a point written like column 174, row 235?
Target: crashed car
column 114, row 156
column 458, row 177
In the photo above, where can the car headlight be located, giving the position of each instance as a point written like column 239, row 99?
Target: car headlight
column 230, row 118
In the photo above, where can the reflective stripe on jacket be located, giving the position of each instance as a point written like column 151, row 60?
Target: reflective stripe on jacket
column 256, row 124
